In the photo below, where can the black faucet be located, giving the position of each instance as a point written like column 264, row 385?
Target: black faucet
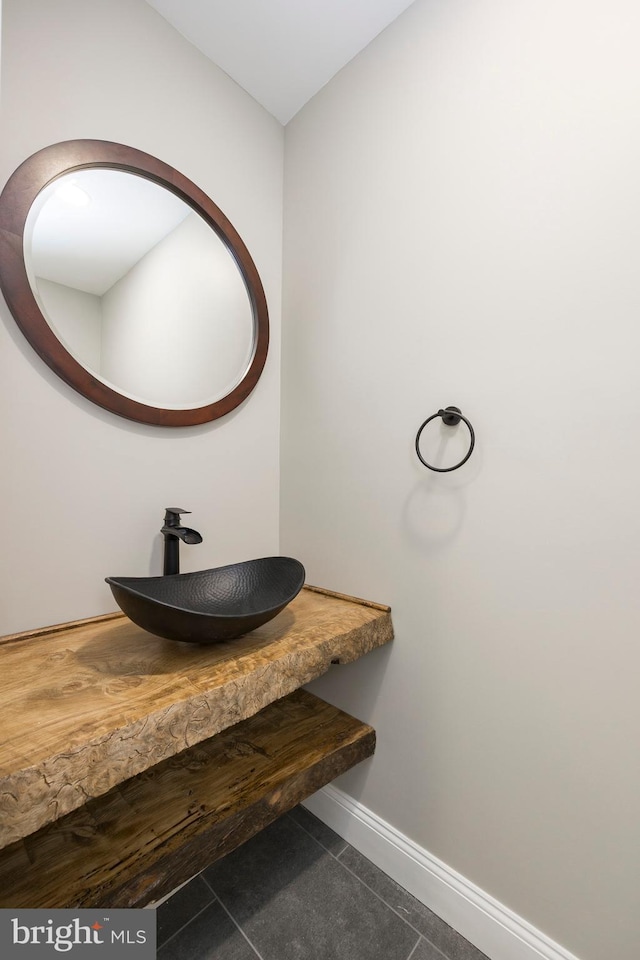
column 173, row 533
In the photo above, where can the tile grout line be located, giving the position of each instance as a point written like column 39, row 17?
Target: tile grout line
column 319, row 842
column 233, row 920
column 392, row 908
column 336, row 857
column 431, row 944
column 414, row 949
column 180, row 929
column 399, row 915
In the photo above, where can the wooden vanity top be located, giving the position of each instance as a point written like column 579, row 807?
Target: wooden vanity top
column 88, row 705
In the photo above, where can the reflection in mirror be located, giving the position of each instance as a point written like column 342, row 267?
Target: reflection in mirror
column 139, row 288
column 131, row 284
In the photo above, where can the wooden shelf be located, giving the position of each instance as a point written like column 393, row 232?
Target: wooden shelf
column 146, row 836
column 87, row 706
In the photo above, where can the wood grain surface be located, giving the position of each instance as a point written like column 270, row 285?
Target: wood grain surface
column 148, row 835
column 87, row 707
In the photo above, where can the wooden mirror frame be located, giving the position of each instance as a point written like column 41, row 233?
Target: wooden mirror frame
column 16, row 200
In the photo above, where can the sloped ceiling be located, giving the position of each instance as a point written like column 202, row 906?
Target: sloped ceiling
column 280, row 51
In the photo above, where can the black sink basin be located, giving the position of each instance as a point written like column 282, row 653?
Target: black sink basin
column 210, row 605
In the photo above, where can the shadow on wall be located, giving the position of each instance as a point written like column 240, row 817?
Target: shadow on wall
column 434, row 510
column 365, row 678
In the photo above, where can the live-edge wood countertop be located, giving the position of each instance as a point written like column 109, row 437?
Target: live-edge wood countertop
column 88, row 705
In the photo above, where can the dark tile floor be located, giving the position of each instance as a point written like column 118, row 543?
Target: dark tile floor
column 297, row 891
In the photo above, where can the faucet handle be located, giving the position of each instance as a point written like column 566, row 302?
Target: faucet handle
column 172, row 515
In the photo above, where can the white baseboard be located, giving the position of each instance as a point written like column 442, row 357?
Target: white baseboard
column 486, row 923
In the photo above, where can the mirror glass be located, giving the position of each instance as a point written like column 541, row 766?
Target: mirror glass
column 138, row 288
column 131, row 283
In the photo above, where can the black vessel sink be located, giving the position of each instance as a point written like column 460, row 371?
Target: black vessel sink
column 210, row 605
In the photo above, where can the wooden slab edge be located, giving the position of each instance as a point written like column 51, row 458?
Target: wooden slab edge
column 60, row 627
column 74, row 763
column 32, row 796
column 150, row 834
column 345, row 596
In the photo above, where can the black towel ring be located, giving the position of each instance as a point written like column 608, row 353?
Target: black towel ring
column 452, row 417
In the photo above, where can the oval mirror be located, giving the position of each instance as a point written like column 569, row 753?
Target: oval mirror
column 131, row 284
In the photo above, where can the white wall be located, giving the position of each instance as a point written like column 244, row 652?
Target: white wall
column 462, row 226
column 78, row 319
column 85, row 490
column 178, row 327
